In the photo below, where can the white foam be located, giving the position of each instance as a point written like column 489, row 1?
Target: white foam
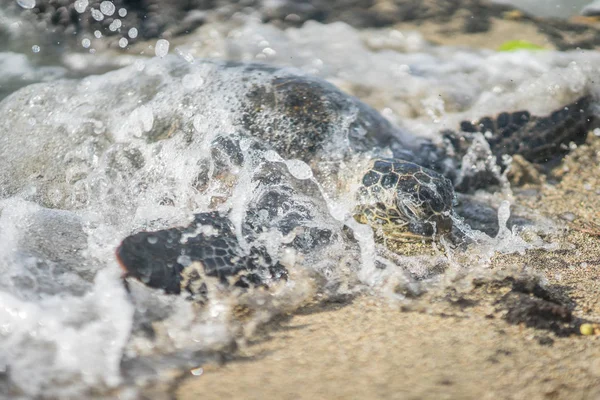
column 506, row 241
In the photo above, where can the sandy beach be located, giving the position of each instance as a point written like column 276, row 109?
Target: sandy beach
column 445, row 344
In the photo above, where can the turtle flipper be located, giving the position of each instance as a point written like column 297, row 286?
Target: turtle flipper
column 151, row 257
column 177, row 258
column 537, row 139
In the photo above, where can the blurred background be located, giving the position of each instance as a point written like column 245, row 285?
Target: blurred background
column 548, row 8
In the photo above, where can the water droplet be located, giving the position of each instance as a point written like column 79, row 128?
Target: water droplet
column 35, row 48
column 272, row 156
column 269, row 51
column 133, row 32
column 152, row 239
column 162, row 48
column 97, row 15
column 123, row 42
column 81, row 5
column 86, row 43
column 98, row 34
column 28, row 4
column 122, row 12
column 116, row 24
column 107, row 8
column 186, row 56
column 299, row 169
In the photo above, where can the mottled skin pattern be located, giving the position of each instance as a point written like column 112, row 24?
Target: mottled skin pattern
column 401, row 198
column 537, row 139
column 160, row 258
column 405, row 200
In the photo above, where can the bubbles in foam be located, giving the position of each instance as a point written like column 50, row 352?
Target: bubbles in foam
column 138, row 122
column 192, row 81
column 78, row 337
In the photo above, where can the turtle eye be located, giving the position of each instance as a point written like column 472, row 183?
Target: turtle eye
column 409, row 208
column 431, row 199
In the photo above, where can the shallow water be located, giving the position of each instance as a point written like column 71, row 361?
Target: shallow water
column 85, row 162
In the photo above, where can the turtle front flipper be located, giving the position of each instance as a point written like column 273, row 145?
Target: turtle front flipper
column 179, row 259
column 538, row 139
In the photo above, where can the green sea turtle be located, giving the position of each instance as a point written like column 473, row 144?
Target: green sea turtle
column 402, row 186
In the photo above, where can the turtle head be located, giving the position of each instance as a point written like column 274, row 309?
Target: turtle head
column 405, row 200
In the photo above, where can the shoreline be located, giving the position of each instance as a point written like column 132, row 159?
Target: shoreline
column 445, row 345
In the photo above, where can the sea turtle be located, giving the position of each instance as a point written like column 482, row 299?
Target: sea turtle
column 403, row 186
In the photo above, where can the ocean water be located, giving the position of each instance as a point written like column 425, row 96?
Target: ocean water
column 88, row 157
column 549, row 8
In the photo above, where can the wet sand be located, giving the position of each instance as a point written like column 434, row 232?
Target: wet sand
column 446, row 344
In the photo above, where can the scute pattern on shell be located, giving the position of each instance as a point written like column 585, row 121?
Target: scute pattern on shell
column 158, row 258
